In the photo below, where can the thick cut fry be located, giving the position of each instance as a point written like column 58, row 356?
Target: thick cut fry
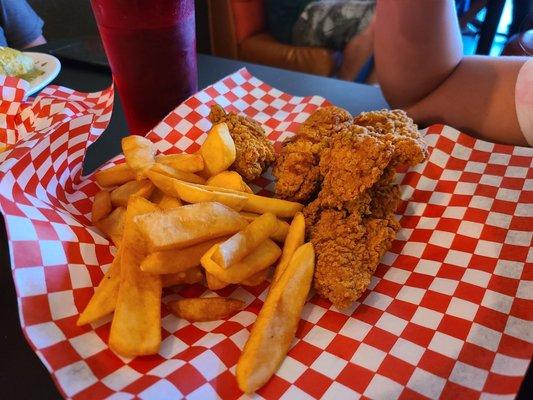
column 193, row 193
column 139, row 153
column 168, row 203
column 121, row 195
column 104, row 298
column 192, row 275
column 262, row 257
column 176, row 173
column 244, row 242
column 218, row 150
column 281, row 232
column 280, row 208
column 172, row 261
column 249, row 216
column 229, row 180
column 113, row 225
column 136, row 326
column 205, row 309
column 162, row 182
column 156, row 196
column 256, row 279
column 214, row 283
column 115, row 175
column 295, row 238
column 182, row 162
column 261, row 204
column 101, row 206
column 188, row 225
column 276, row 324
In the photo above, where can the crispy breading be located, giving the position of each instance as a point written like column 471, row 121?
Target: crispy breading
column 296, row 169
column 324, row 123
column 255, row 153
column 395, row 127
column 348, row 250
column 348, row 166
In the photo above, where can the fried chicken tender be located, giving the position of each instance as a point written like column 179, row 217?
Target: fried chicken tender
column 255, row 153
column 296, row 170
column 348, row 249
column 398, row 129
column 348, row 166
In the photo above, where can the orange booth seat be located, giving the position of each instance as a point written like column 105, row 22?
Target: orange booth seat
column 239, row 30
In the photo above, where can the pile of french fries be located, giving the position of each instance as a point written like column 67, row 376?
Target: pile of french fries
column 183, row 219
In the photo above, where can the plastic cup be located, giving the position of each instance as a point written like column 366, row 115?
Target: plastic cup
column 151, row 48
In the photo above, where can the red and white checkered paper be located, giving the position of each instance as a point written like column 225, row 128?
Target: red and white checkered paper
column 448, row 313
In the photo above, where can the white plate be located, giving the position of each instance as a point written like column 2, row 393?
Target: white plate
column 47, row 63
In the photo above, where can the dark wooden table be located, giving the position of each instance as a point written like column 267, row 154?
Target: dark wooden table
column 22, row 375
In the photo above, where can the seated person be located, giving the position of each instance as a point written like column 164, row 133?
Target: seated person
column 421, row 68
column 20, row 26
column 340, row 25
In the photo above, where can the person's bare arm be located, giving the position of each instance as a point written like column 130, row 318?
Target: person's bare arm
column 421, row 68
column 40, row 40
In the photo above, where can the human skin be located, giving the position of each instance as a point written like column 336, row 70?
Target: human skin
column 421, row 69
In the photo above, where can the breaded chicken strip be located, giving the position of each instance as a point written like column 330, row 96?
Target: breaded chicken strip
column 348, row 168
column 296, row 169
column 348, row 249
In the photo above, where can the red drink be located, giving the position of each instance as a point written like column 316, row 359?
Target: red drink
column 151, row 47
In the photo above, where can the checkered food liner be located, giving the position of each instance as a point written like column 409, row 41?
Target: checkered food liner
column 448, row 312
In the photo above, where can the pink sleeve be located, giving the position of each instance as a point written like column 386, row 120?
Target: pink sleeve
column 524, row 100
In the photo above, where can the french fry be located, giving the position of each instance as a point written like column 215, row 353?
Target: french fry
column 280, row 208
column 281, row 232
column 195, row 194
column 176, row 173
column 229, row 180
column 173, row 261
column 213, row 283
column 256, row 279
column 182, row 162
column 156, row 196
column 162, row 182
column 113, row 225
column 188, row 225
column 168, row 203
column 218, row 150
column 276, row 324
column 136, row 326
column 101, row 206
column 261, row 204
column 104, row 298
column 244, row 242
column 121, row 195
column 205, row 309
column 192, row 275
column 262, row 257
column 115, row 175
column 295, row 238
column 139, row 153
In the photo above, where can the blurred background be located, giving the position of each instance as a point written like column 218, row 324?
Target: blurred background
column 239, row 29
